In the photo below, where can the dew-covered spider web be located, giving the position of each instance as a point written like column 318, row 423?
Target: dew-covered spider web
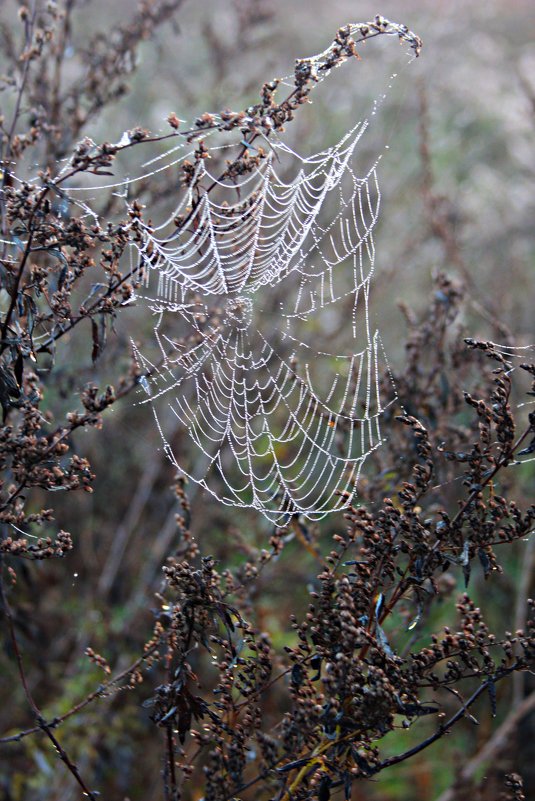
column 249, row 279
column 283, row 423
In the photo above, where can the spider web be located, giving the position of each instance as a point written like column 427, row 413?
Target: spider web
column 247, row 285
column 283, row 425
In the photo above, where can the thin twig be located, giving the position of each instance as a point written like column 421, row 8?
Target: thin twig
column 28, row 33
column 445, row 727
column 42, row 724
column 497, row 742
column 100, row 692
column 522, row 595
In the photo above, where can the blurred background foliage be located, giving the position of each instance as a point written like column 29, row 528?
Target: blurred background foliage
column 457, row 187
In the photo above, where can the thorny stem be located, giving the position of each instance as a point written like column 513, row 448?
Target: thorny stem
column 170, row 746
column 42, row 724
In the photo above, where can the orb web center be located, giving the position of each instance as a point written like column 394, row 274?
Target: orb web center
column 239, row 312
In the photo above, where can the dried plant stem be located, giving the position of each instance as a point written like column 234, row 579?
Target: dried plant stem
column 42, row 724
column 100, row 692
column 497, row 742
column 522, row 595
column 28, row 32
column 445, row 727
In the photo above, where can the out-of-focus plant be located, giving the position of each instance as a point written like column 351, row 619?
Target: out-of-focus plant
column 238, row 714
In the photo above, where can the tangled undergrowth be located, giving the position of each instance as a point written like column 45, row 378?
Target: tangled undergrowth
column 379, row 646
